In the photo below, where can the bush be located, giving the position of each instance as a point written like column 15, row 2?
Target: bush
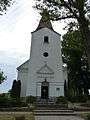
column 16, row 103
column 88, row 97
column 73, row 99
column 61, row 100
column 11, row 102
column 30, row 99
column 76, row 99
column 3, row 101
column 83, row 98
column 88, row 117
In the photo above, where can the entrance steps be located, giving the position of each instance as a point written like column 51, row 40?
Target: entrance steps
column 51, row 106
column 54, row 112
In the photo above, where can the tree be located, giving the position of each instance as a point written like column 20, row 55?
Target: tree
column 16, row 88
column 75, row 10
column 74, row 56
column 4, row 4
column 2, row 77
column 65, row 88
column 13, row 90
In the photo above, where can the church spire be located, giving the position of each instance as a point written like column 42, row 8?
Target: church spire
column 45, row 20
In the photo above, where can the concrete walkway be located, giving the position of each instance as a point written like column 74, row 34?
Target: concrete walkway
column 58, row 118
column 56, row 115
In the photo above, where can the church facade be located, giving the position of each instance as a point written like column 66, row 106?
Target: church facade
column 43, row 75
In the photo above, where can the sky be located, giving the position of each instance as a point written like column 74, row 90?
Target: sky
column 15, row 38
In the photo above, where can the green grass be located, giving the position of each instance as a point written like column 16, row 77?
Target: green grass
column 6, row 117
column 11, row 116
column 86, row 115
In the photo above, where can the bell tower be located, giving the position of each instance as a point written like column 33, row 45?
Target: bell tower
column 45, row 71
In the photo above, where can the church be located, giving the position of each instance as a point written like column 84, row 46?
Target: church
column 43, row 74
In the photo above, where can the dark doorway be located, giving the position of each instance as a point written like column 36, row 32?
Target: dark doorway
column 45, row 90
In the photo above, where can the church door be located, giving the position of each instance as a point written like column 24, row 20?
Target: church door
column 45, row 90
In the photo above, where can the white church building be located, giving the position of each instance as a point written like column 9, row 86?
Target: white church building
column 43, row 75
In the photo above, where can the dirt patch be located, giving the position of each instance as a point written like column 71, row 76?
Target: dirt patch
column 16, row 116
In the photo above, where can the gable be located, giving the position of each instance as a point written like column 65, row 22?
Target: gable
column 45, row 70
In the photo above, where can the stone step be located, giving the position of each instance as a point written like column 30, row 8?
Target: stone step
column 54, row 112
column 58, row 117
column 48, row 106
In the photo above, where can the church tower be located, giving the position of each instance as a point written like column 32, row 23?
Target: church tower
column 43, row 75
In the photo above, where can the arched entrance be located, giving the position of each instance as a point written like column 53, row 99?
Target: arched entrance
column 45, row 90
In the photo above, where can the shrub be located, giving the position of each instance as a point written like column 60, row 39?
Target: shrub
column 30, row 99
column 61, row 100
column 88, row 117
column 11, row 102
column 82, row 98
column 88, row 97
column 3, row 101
column 76, row 99
column 73, row 99
column 16, row 103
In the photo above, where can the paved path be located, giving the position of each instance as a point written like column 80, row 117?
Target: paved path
column 58, row 118
column 56, row 115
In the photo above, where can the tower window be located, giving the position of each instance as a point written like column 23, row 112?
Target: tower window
column 45, row 54
column 46, row 39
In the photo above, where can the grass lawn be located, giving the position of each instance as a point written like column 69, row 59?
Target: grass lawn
column 12, row 115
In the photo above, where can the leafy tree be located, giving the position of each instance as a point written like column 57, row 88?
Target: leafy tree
column 2, row 77
column 75, row 10
column 4, row 4
column 74, row 55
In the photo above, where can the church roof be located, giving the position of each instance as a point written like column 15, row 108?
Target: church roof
column 23, row 66
column 45, row 22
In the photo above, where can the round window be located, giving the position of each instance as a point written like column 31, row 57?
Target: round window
column 45, row 54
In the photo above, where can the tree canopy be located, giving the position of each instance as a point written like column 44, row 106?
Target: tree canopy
column 2, row 77
column 4, row 4
column 74, row 56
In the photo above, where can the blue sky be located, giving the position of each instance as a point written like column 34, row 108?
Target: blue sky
column 15, row 38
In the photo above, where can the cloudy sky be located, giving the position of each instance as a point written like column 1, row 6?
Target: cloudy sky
column 15, row 37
